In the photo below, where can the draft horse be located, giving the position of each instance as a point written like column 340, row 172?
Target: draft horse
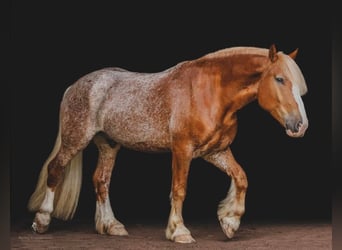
column 189, row 110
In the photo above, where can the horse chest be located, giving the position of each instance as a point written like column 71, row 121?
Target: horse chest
column 217, row 140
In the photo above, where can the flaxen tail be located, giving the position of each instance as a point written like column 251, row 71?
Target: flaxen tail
column 67, row 191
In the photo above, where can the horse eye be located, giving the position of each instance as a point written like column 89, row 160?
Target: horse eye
column 279, row 79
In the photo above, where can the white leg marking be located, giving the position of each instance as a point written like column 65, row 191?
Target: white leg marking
column 176, row 230
column 104, row 211
column 43, row 216
column 47, row 205
column 230, row 211
column 105, row 222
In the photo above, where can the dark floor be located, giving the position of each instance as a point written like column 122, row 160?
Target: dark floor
column 150, row 235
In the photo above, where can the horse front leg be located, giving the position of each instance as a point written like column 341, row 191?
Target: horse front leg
column 233, row 206
column 176, row 230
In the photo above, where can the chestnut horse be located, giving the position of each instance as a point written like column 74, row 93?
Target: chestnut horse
column 189, row 109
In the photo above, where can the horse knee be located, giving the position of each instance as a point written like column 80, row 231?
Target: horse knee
column 179, row 194
column 242, row 182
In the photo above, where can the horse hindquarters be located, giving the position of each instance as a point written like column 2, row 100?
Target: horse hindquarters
column 59, row 183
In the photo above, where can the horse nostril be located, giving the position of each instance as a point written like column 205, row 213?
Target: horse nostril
column 289, row 126
column 293, row 126
column 296, row 128
column 299, row 124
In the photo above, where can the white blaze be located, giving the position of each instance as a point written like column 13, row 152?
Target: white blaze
column 299, row 101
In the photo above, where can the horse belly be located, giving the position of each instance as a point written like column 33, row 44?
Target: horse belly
column 137, row 135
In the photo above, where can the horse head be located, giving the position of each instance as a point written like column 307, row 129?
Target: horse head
column 280, row 89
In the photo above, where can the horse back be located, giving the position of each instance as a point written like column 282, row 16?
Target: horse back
column 132, row 108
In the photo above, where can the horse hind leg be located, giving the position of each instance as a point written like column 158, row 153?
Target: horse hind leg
column 105, row 221
column 64, row 176
column 59, row 183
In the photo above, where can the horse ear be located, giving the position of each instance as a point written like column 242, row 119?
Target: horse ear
column 272, row 54
column 293, row 54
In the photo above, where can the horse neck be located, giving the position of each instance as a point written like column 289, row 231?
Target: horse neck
column 236, row 78
column 243, row 96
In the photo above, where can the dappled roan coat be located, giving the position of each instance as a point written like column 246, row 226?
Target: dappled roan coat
column 189, row 109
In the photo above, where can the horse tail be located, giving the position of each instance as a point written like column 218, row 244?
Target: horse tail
column 66, row 192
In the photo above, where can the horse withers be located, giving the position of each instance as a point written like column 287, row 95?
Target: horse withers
column 189, row 109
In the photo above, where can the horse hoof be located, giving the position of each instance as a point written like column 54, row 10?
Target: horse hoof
column 116, row 229
column 185, row 238
column 229, row 232
column 41, row 222
column 38, row 228
column 230, row 225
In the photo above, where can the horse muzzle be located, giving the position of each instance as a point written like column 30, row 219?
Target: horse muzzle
column 296, row 128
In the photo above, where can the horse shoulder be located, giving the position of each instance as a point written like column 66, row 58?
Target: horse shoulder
column 198, row 121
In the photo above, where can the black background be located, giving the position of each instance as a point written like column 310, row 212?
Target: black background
column 56, row 43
